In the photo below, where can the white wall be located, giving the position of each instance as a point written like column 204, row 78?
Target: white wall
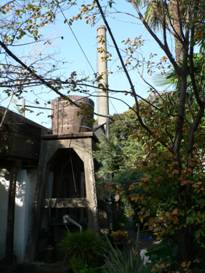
column 25, row 187
column 4, row 184
column 20, row 215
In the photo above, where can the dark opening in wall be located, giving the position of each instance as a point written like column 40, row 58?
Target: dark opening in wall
column 68, row 174
column 67, row 184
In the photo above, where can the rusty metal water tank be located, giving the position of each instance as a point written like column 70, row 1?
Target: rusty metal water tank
column 67, row 118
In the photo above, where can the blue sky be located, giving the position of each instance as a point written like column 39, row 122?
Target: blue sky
column 71, row 57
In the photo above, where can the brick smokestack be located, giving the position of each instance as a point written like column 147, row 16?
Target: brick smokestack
column 103, row 104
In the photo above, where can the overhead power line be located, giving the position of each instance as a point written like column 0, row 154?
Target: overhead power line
column 76, row 38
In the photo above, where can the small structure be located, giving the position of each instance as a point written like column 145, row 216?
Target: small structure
column 66, row 170
column 44, row 176
column 48, row 174
column 20, row 146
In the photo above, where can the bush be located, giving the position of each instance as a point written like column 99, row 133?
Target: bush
column 79, row 266
column 84, row 251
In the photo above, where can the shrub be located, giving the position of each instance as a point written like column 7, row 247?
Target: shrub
column 79, row 266
column 83, row 250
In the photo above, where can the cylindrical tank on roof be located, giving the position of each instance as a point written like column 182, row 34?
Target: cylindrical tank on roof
column 68, row 117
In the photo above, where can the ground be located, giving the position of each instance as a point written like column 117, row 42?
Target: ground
column 35, row 268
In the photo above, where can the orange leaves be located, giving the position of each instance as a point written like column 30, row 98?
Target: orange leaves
column 175, row 216
column 199, row 187
column 185, row 182
column 164, row 59
column 186, row 266
column 175, row 172
column 136, row 197
column 119, row 235
column 145, row 179
column 162, row 266
column 164, row 223
column 175, row 212
column 143, row 214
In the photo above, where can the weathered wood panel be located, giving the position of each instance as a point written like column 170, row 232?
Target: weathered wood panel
column 65, row 203
column 19, row 137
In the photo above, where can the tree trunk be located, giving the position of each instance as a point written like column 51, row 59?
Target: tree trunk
column 176, row 23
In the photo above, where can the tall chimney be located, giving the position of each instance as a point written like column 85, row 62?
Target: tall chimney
column 103, row 106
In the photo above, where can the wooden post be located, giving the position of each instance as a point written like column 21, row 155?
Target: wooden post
column 11, row 214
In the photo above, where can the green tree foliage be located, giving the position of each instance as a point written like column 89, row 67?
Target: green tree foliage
column 26, row 18
column 119, row 152
column 162, row 138
column 170, row 130
column 168, row 203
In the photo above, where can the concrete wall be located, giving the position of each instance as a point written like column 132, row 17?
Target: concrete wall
column 4, row 185
column 25, row 187
column 83, row 148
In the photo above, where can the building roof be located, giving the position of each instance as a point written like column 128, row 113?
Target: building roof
column 20, row 138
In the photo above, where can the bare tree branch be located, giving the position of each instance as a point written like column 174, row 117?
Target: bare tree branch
column 155, row 37
column 193, row 129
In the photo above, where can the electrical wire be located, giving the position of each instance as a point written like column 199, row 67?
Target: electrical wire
column 76, row 38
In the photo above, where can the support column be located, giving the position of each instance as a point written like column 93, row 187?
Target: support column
column 11, row 213
column 91, row 193
column 33, row 239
